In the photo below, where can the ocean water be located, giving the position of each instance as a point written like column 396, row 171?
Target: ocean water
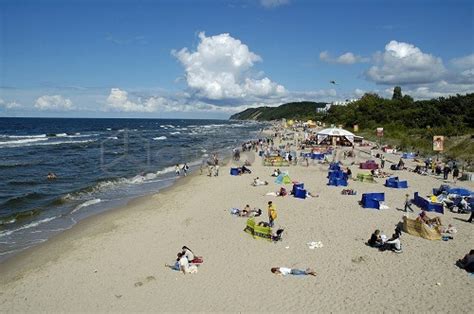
column 100, row 164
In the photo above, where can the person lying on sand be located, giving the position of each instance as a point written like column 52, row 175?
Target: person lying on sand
column 244, row 169
column 258, row 182
column 432, row 222
column 276, row 173
column 283, row 271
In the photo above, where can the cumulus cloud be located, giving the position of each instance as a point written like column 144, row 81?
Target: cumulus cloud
column 346, row 58
column 403, row 63
column 220, row 69
column 119, row 100
column 12, row 105
column 273, row 3
column 54, row 103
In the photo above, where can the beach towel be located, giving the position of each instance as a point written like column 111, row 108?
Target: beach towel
column 258, row 232
column 418, row 228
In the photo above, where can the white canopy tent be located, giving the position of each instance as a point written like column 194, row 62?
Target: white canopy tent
column 337, row 133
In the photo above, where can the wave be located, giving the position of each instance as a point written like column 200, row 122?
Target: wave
column 160, row 138
column 27, row 226
column 175, row 133
column 23, row 141
column 86, row 203
column 37, row 143
column 25, row 198
column 22, row 136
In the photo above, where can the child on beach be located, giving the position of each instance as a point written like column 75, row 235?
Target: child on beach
column 176, row 170
column 408, row 203
column 292, row 271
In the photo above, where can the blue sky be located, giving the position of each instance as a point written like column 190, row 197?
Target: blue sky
column 200, row 59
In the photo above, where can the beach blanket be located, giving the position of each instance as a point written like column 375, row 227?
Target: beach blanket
column 258, row 232
column 417, row 228
column 365, row 177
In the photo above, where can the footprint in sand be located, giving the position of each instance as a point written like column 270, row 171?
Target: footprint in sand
column 359, row 259
column 147, row 279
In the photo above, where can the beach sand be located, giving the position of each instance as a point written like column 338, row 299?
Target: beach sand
column 115, row 261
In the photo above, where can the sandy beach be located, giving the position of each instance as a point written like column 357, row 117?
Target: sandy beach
column 114, row 262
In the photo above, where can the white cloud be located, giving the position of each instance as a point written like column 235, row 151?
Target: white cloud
column 10, row 105
column 466, row 62
column 346, row 58
column 438, row 89
column 220, row 69
column 359, row 92
column 118, row 100
column 403, row 63
column 273, row 3
column 54, row 102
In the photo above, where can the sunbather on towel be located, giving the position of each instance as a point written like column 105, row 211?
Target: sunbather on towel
column 292, row 271
column 432, row 222
column 258, row 182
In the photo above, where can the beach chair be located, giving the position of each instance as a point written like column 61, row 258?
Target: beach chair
column 427, row 205
column 394, row 182
column 372, row 200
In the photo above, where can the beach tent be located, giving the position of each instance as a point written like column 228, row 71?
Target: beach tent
column 283, row 178
column 341, row 136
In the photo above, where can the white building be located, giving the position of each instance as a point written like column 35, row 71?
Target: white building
column 336, row 103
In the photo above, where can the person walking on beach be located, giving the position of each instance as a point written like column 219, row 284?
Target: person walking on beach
column 272, row 213
column 176, row 169
column 455, row 174
column 382, row 161
column 408, row 203
column 185, row 169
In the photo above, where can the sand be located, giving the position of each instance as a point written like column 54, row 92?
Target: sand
column 115, row 261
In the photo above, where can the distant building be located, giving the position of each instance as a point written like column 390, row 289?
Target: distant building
column 335, row 103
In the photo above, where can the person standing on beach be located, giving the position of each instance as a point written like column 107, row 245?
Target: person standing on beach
column 176, row 169
column 185, row 169
column 382, row 161
column 272, row 213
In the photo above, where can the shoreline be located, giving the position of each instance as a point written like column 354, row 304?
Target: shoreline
column 79, row 230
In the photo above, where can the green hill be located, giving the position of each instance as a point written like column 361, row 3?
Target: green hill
column 295, row 110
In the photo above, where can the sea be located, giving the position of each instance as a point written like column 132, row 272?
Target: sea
column 100, row 164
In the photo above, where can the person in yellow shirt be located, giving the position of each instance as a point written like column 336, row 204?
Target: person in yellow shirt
column 272, row 213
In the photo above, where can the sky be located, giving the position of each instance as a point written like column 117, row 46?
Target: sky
column 213, row 58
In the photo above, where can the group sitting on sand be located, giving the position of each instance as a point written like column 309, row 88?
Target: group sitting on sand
column 186, row 261
column 380, row 241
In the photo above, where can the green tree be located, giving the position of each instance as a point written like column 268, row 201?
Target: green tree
column 397, row 93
